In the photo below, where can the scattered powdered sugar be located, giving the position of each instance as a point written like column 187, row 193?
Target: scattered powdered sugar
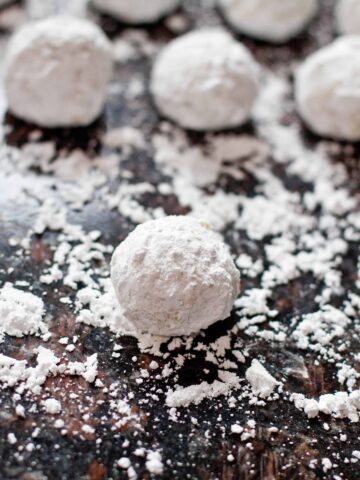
column 184, row 396
column 339, row 405
column 134, row 44
column 87, row 369
column 294, row 242
column 31, row 378
column 100, row 308
column 248, row 266
column 320, row 328
column 14, row 371
column 127, row 138
column 193, row 167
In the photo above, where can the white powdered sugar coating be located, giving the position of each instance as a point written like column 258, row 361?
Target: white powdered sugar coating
column 272, row 20
column 174, row 276
column 327, row 90
column 348, row 17
column 136, row 11
column 21, row 313
column 56, row 72
column 205, row 80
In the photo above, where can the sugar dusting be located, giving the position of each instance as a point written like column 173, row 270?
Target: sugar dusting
column 297, row 242
column 289, row 233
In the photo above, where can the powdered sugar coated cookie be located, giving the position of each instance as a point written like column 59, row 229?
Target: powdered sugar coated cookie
column 174, row 276
column 348, row 16
column 327, row 90
column 56, row 72
column 205, row 80
column 272, row 20
column 136, row 11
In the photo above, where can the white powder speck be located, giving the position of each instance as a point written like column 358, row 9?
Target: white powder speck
column 124, row 463
column 11, row 438
column 154, row 462
column 326, row 464
column 59, row 423
column 236, row 429
column 87, row 429
column 52, row 406
column 20, row 410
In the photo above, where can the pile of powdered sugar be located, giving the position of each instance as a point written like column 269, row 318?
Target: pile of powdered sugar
column 21, row 312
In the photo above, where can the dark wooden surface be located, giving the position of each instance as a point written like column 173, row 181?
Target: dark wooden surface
column 195, row 452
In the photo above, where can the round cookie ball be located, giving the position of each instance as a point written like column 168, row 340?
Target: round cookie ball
column 136, row 11
column 274, row 21
column 205, row 80
column 327, row 90
column 174, row 276
column 56, row 72
column 347, row 15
